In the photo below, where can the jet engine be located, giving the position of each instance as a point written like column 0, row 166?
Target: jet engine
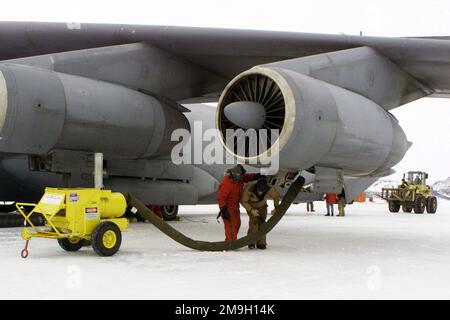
column 41, row 110
column 318, row 124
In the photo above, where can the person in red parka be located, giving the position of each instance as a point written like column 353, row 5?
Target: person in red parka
column 229, row 195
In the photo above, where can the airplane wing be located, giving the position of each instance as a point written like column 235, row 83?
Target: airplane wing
column 225, row 53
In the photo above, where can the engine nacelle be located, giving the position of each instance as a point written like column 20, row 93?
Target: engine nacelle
column 41, row 110
column 320, row 124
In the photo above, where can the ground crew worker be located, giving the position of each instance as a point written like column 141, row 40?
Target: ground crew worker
column 341, row 203
column 331, row 200
column 310, row 206
column 228, row 197
column 254, row 200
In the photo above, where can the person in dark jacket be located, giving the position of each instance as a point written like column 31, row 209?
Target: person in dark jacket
column 341, row 203
column 254, row 200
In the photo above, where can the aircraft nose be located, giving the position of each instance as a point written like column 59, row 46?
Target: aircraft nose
column 3, row 101
column 246, row 114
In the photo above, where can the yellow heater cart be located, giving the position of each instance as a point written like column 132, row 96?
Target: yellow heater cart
column 76, row 216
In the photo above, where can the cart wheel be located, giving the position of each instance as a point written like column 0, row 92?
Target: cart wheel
column 106, row 239
column 394, row 206
column 70, row 244
column 431, row 205
column 419, row 204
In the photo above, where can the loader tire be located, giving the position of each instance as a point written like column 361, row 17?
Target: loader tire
column 394, row 206
column 70, row 244
column 419, row 204
column 407, row 208
column 106, row 239
column 432, row 205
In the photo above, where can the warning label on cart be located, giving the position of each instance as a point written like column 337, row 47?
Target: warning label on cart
column 51, row 198
column 91, row 213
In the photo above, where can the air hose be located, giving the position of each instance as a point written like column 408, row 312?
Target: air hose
column 14, row 220
column 179, row 237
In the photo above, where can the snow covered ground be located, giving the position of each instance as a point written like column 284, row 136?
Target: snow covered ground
column 368, row 254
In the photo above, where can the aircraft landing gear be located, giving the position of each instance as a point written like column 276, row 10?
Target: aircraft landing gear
column 169, row 212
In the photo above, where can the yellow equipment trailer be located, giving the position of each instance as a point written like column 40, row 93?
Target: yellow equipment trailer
column 76, row 216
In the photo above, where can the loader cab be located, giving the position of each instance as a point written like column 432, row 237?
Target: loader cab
column 416, row 177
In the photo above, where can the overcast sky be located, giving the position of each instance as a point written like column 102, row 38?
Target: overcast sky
column 426, row 121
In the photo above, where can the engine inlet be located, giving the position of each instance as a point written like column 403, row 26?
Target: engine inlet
column 253, row 101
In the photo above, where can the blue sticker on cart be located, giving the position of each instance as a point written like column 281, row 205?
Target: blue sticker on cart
column 73, row 197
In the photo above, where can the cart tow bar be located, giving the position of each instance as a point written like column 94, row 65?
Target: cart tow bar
column 24, row 252
column 177, row 236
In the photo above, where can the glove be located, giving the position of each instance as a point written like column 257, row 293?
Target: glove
column 224, row 213
column 254, row 213
column 273, row 211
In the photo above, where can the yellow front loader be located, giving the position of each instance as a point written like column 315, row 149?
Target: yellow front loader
column 412, row 194
column 76, row 217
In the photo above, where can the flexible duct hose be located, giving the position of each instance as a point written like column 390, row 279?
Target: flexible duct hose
column 13, row 220
column 174, row 234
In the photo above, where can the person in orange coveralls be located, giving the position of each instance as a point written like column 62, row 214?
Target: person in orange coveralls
column 229, row 195
column 331, row 200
